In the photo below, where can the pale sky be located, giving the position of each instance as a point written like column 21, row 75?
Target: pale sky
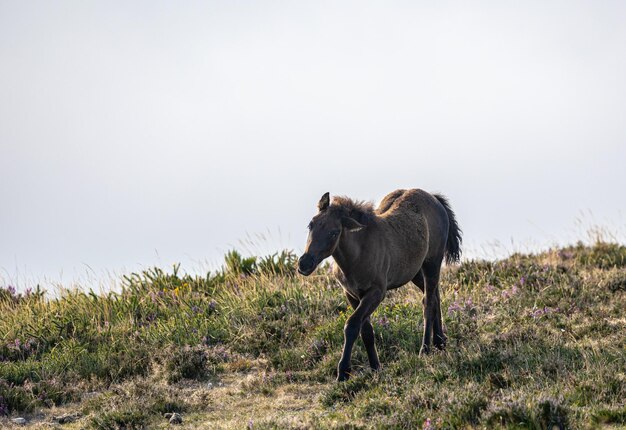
column 135, row 133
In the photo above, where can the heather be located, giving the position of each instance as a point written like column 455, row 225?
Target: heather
column 534, row 341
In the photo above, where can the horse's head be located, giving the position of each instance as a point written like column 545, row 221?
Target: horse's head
column 325, row 231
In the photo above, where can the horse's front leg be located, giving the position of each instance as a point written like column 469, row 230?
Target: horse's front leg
column 367, row 334
column 369, row 302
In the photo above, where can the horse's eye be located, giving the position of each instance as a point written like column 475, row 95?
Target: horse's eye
column 333, row 233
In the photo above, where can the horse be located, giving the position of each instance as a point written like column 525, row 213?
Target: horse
column 379, row 249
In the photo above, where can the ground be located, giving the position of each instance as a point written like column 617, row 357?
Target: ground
column 534, row 341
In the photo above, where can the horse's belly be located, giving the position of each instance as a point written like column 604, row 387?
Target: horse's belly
column 401, row 275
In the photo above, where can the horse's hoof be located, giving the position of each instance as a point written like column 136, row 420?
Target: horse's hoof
column 425, row 350
column 440, row 342
column 441, row 346
column 343, row 377
column 343, row 372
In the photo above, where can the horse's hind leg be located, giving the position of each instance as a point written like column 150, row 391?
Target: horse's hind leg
column 432, row 308
column 420, row 281
column 439, row 338
column 367, row 334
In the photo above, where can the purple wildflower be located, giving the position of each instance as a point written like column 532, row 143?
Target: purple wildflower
column 538, row 313
column 428, row 425
column 383, row 321
column 11, row 290
column 507, row 294
column 460, row 306
column 212, row 305
column 454, row 307
column 250, row 425
column 195, row 309
column 222, row 353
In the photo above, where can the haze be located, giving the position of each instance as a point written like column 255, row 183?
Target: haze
column 148, row 132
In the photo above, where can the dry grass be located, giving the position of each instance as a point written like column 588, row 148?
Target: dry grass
column 535, row 341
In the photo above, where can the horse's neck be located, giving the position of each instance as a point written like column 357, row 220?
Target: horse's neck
column 347, row 253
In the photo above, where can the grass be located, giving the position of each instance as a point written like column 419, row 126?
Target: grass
column 534, row 342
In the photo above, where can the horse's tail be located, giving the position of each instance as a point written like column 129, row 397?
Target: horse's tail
column 453, row 246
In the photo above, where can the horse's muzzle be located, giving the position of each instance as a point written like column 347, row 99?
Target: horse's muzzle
column 306, row 264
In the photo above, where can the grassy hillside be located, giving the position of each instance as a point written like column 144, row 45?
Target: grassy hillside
column 534, row 341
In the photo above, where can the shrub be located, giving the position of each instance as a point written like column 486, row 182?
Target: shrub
column 188, row 363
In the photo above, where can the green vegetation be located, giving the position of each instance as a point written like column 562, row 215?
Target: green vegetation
column 534, row 342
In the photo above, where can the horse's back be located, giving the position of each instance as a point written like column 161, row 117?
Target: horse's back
column 419, row 217
column 389, row 200
column 408, row 202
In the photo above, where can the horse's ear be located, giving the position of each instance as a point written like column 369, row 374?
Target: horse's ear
column 351, row 224
column 322, row 205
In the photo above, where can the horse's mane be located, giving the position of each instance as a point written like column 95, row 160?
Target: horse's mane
column 361, row 211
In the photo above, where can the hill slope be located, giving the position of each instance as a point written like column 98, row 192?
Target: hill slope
column 534, row 341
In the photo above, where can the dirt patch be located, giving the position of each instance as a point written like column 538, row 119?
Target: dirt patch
column 227, row 403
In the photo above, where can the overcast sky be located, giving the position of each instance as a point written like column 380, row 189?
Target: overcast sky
column 135, row 133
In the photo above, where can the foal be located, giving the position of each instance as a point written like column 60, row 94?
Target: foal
column 405, row 239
